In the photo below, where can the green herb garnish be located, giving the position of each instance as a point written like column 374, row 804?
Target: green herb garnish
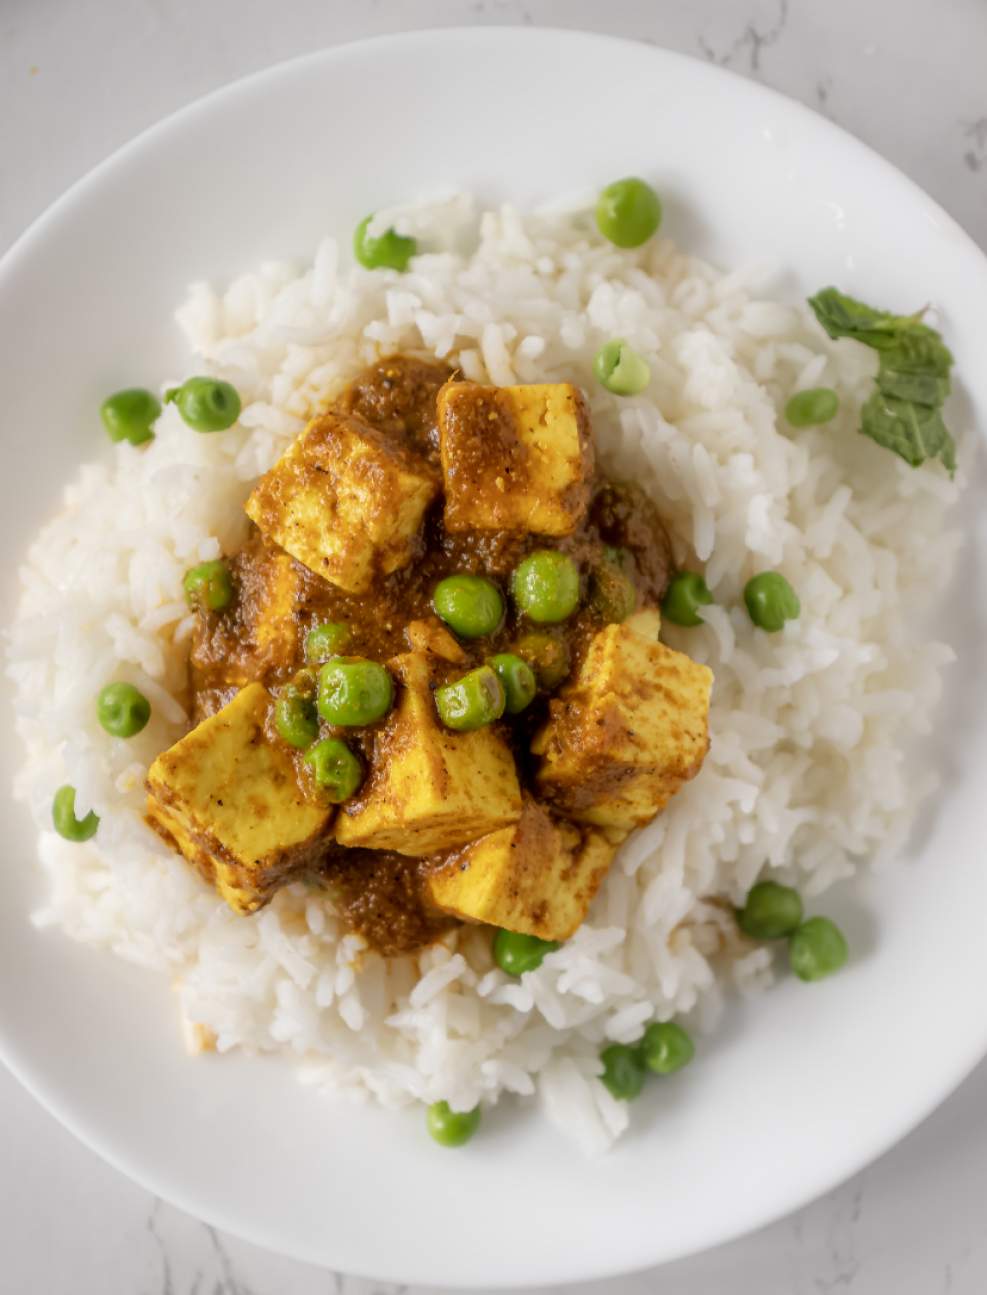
column 904, row 414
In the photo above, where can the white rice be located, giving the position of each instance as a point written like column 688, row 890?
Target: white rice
column 810, row 727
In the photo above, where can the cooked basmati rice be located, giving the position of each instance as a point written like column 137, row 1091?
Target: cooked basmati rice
column 810, row 727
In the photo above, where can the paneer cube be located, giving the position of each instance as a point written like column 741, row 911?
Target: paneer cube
column 346, row 500
column 429, row 789
column 228, row 797
column 538, row 876
column 625, row 734
column 515, row 458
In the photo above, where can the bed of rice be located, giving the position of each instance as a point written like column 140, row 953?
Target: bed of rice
column 810, row 727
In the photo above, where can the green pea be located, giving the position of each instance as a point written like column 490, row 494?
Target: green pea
column 335, row 768
column 770, row 911
column 478, row 698
column 817, row 949
column 390, row 250
column 546, row 586
column 325, row 641
column 122, row 709
column 353, row 692
column 516, row 953
column 451, row 1128
column 206, row 404
column 686, row 593
column 295, row 718
column 611, row 591
column 128, row 415
column 620, row 369
column 64, row 819
column 518, row 680
column 623, row 1071
column 548, row 655
column 209, row 586
column 470, row 605
column 665, row 1047
column 771, row 601
column 809, row 408
column 628, row 212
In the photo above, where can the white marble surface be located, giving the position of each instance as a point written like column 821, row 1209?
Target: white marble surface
column 78, row 78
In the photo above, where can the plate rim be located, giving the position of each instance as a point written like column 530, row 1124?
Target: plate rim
column 48, row 219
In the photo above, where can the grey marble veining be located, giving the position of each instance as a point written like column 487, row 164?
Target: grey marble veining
column 907, row 76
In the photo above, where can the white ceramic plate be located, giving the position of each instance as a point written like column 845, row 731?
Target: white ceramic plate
column 802, row 1087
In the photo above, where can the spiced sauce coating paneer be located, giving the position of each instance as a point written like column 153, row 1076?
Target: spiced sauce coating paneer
column 628, row 731
column 538, row 876
column 513, row 824
column 515, row 458
column 229, row 798
column 429, row 789
column 346, row 500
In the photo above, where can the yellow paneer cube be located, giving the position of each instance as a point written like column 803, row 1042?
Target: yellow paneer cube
column 429, row 789
column 538, row 876
column 345, row 500
column 625, row 734
column 228, row 797
column 515, row 458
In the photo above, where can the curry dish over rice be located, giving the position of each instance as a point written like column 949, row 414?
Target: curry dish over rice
column 431, row 680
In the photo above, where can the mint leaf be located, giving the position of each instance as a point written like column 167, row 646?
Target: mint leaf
column 904, row 414
column 843, row 316
column 915, row 432
column 916, row 367
column 916, row 348
column 922, row 388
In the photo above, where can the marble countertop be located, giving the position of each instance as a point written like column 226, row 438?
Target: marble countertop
column 907, row 76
